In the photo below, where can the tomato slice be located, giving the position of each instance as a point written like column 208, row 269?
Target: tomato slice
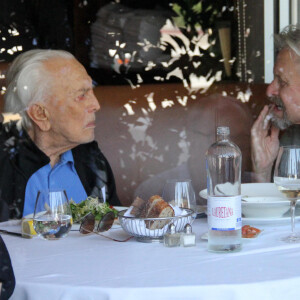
column 249, row 232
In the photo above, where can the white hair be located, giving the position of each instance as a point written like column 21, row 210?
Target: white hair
column 28, row 81
column 289, row 37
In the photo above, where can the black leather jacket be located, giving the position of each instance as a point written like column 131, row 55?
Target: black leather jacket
column 7, row 276
column 20, row 158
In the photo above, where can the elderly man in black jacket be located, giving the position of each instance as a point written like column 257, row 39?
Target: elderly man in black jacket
column 52, row 146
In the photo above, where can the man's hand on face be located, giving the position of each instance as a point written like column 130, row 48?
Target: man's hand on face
column 265, row 146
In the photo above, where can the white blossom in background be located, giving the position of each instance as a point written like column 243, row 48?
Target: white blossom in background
column 182, row 100
column 201, row 82
column 184, row 146
column 150, row 100
column 199, row 42
column 167, row 103
column 244, row 97
column 129, row 109
column 176, row 72
column 169, row 30
column 138, row 132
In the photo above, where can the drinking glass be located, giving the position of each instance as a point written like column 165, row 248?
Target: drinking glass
column 52, row 217
column 180, row 193
column 287, row 180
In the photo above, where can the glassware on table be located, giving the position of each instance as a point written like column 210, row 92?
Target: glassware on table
column 172, row 238
column 180, row 193
column 52, row 217
column 287, row 180
column 224, row 161
column 188, row 238
column 136, row 226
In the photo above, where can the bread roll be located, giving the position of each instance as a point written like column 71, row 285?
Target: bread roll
column 138, row 206
column 154, row 208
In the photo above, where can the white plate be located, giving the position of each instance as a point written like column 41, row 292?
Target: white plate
column 262, row 201
column 254, row 190
column 279, row 221
column 264, row 207
column 119, row 208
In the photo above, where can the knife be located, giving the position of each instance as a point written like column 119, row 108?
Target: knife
column 11, row 233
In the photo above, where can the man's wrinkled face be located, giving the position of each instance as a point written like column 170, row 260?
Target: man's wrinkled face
column 284, row 90
column 71, row 103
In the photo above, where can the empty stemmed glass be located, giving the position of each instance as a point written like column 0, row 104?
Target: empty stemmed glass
column 180, row 193
column 52, row 217
column 287, row 180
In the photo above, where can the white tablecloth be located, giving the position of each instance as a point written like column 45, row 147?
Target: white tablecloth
column 92, row 267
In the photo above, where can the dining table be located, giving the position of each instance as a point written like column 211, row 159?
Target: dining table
column 94, row 267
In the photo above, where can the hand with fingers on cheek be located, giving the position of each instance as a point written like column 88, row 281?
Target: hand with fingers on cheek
column 264, row 146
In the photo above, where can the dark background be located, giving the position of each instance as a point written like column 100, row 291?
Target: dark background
column 65, row 24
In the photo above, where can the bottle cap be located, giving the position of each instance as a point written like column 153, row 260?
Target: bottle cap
column 188, row 228
column 223, row 130
column 171, row 228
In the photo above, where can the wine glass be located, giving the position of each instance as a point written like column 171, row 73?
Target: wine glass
column 180, row 193
column 287, row 180
column 52, row 217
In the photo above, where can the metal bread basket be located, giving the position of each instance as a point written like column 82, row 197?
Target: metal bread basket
column 153, row 229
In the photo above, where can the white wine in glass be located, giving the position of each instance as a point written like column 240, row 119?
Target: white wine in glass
column 287, row 180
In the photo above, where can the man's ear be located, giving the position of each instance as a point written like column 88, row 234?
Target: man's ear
column 40, row 116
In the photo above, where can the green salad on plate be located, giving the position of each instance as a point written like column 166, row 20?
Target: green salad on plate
column 90, row 204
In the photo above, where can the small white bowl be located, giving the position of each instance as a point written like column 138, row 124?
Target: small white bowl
column 264, row 207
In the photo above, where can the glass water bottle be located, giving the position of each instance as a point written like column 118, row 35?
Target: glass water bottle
column 223, row 164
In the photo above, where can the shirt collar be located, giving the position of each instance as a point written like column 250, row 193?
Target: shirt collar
column 67, row 158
